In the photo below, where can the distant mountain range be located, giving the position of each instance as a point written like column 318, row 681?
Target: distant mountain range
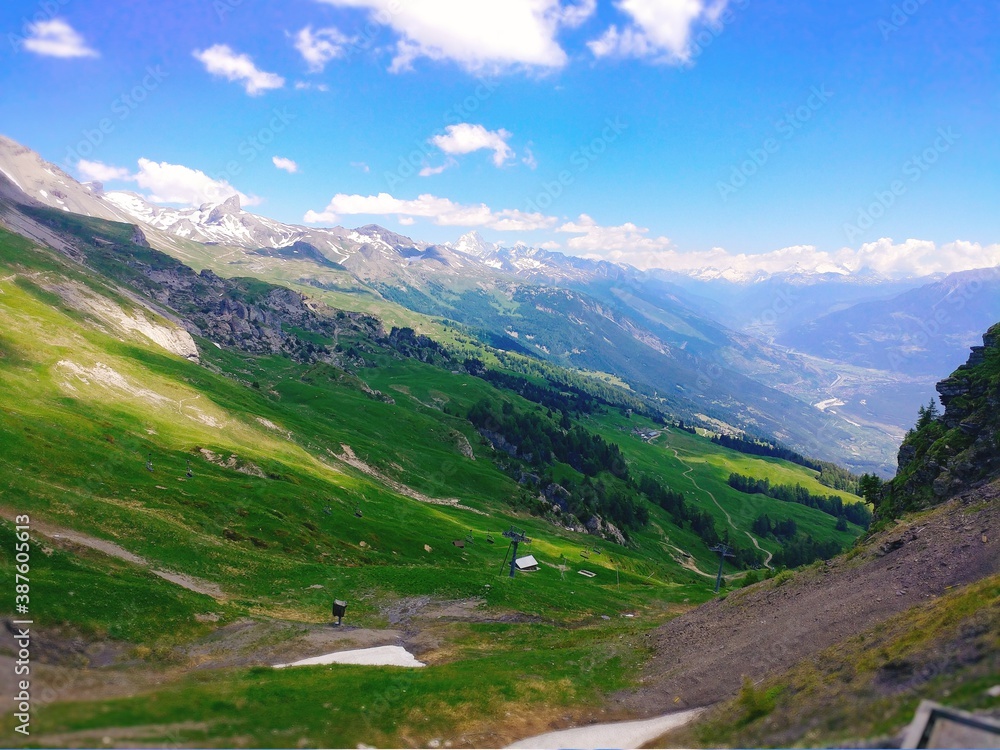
column 803, row 356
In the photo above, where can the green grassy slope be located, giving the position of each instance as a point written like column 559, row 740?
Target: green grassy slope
column 85, row 403
column 700, row 468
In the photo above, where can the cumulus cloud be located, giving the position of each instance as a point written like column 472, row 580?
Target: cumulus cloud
column 175, row 183
column 659, row 30
column 884, row 257
column 483, row 34
column 442, row 211
column 464, row 138
column 56, row 38
column 167, row 183
column 319, row 47
column 286, row 164
column 575, row 15
column 627, row 243
column 919, row 257
column 101, row 172
column 221, row 60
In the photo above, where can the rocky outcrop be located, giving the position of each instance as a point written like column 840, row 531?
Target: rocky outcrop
column 960, row 449
column 605, row 529
column 139, row 237
column 173, row 338
column 229, row 207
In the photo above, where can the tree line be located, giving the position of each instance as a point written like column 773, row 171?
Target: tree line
column 608, row 487
column 830, row 474
column 833, row 505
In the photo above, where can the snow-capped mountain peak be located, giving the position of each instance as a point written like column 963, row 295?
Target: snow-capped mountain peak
column 229, row 207
column 472, row 243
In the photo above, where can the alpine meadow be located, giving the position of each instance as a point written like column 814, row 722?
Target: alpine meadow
column 638, row 385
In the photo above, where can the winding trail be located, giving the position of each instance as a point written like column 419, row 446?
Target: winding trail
column 729, row 519
column 682, row 558
column 64, row 535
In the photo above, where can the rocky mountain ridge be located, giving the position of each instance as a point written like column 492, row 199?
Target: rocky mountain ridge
column 957, row 451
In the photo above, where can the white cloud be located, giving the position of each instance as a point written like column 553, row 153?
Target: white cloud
column 175, row 183
column 550, row 246
column 442, row 211
column 56, row 38
column 406, row 221
column 529, row 159
column 101, row 172
column 429, row 171
column 363, row 166
column 309, row 86
column 659, row 29
column 319, row 47
column 464, row 138
column 919, row 257
column 286, row 164
column 477, row 35
column 221, row 60
column 626, row 243
column 576, row 15
column 168, row 183
column 908, row 259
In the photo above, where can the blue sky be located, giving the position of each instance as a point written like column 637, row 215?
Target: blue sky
column 636, row 130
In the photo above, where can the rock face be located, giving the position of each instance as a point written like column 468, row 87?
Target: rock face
column 245, row 314
column 173, row 338
column 229, row 207
column 960, row 449
column 604, row 529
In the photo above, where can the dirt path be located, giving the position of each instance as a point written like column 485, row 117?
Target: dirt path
column 348, row 457
column 682, row 558
column 62, row 535
column 729, row 519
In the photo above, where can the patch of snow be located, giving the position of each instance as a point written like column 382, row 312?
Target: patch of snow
column 622, row 734
column 10, row 177
column 380, row 656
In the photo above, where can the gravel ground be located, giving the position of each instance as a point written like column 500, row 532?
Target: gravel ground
column 703, row 655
